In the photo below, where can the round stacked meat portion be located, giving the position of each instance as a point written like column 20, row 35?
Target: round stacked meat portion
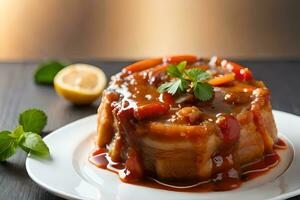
column 180, row 137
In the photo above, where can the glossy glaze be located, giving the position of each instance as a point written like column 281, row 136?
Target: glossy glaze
column 138, row 111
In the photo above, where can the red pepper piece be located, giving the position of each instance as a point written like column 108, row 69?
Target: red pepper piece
column 177, row 59
column 241, row 73
column 166, row 98
column 150, row 110
column 133, row 168
column 230, row 130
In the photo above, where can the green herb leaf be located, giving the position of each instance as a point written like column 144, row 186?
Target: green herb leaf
column 176, row 71
column 183, row 85
column 181, row 66
column 192, row 74
column 33, row 120
column 34, row 144
column 173, row 71
column 164, row 87
column 17, row 132
column 170, row 87
column 173, row 86
column 203, row 91
column 203, row 76
column 30, row 120
column 7, row 145
column 46, row 71
column 191, row 77
column 196, row 75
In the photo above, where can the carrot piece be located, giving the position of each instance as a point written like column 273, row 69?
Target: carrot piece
column 143, row 65
column 179, row 58
column 150, row 110
column 146, row 64
column 220, row 80
column 159, row 68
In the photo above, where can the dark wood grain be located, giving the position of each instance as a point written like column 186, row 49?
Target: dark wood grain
column 18, row 92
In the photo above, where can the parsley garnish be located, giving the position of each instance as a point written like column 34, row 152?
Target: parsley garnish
column 188, row 78
column 25, row 135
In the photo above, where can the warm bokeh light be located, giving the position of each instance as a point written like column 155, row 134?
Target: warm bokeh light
column 111, row 29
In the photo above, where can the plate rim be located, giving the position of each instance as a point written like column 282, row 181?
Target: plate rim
column 51, row 189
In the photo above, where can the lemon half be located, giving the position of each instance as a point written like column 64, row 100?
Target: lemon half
column 80, row 83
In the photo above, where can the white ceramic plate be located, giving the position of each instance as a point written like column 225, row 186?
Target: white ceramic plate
column 69, row 174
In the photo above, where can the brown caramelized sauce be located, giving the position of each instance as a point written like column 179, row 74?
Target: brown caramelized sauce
column 104, row 161
column 227, row 175
column 280, row 144
column 259, row 167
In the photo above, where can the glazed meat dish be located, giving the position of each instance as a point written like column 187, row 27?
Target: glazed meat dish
column 175, row 136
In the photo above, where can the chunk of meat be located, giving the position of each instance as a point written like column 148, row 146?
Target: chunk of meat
column 191, row 115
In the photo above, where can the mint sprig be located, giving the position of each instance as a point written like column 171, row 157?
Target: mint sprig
column 196, row 75
column 47, row 70
column 33, row 143
column 202, row 91
column 25, row 136
column 33, row 120
column 187, row 78
column 8, row 145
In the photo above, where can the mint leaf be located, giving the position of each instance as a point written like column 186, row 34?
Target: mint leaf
column 173, row 71
column 30, row 120
column 183, row 85
column 196, row 75
column 193, row 73
column 34, row 144
column 17, row 132
column 203, row 91
column 33, row 120
column 181, row 66
column 203, row 76
column 7, row 145
column 46, row 71
column 173, row 86
column 164, row 87
column 170, row 87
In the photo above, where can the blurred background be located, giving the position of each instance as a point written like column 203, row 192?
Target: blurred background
column 134, row 29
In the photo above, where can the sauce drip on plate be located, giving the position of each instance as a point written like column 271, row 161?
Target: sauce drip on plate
column 227, row 179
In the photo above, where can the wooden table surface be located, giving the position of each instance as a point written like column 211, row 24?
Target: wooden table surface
column 18, row 92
